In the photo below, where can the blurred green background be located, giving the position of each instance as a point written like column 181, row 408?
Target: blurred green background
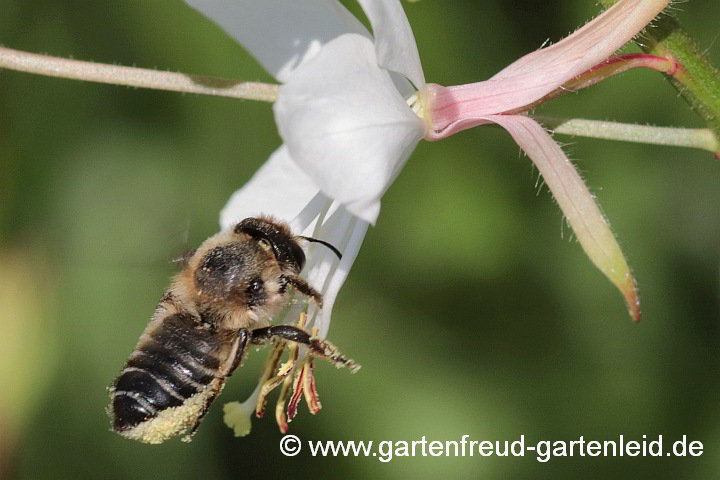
column 468, row 310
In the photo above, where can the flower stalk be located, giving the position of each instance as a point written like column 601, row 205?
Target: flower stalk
column 702, row 138
column 134, row 77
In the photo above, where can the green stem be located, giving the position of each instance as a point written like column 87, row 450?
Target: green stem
column 696, row 78
column 701, row 138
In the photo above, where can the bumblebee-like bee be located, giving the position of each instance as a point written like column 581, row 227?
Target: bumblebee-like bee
column 219, row 304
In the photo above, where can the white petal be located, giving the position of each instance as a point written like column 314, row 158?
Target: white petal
column 353, row 238
column 281, row 34
column 279, row 188
column 394, row 40
column 323, row 270
column 346, row 125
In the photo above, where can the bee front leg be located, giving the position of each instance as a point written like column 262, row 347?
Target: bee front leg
column 317, row 347
column 261, row 336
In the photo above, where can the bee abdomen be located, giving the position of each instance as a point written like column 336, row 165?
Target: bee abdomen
column 139, row 396
column 171, row 366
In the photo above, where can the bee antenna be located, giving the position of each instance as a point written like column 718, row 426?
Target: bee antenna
column 323, row 242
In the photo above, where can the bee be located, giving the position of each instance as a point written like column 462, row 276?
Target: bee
column 216, row 307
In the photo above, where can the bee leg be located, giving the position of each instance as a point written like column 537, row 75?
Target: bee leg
column 241, row 343
column 261, row 336
column 243, row 335
column 317, row 347
column 302, row 286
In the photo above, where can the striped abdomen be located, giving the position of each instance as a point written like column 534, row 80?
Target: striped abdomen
column 175, row 362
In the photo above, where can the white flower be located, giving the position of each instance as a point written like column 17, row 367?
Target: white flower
column 352, row 108
column 350, row 117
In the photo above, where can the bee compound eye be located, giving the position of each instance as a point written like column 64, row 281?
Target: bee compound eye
column 265, row 244
column 256, row 288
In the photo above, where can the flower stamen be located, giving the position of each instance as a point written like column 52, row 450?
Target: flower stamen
column 418, row 104
column 299, row 375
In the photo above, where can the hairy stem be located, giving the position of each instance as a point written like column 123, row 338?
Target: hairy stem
column 134, row 77
column 702, row 138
